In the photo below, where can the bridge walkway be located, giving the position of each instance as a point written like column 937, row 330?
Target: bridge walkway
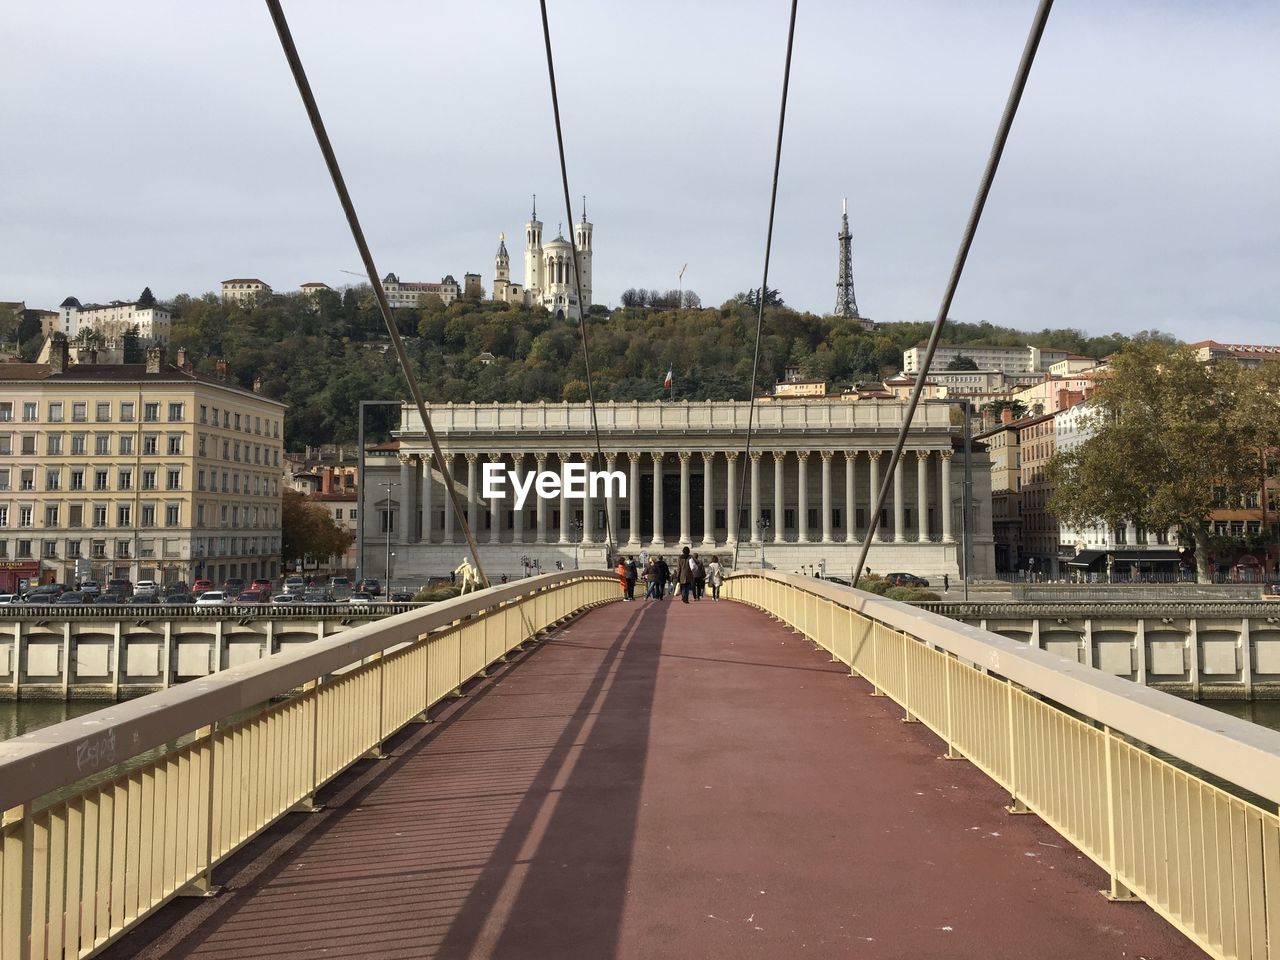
column 657, row 780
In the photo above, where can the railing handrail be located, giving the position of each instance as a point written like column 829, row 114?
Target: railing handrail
column 1239, row 751
column 1151, row 606
column 185, row 611
column 36, row 763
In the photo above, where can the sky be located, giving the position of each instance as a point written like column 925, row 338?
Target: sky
column 164, row 144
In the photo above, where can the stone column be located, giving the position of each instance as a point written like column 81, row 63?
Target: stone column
column 408, row 502
column 899, row 508
column 708, row 506
column 495, row 507
column 826, row 496
column 611, row 535
column 731, row 498
column 753, row 535
column 428, row 489
column 473, row 502
column 449, row 519
column 517, row 516
column 778, row 514
column 588, row 505
column 922, row 494
column 802, row 506
column 685, row 506
column 658, row 538
column 540, row 533
column 564, row 500
column 633, row 497
column 945, row 497
column 850, row 504
column 872, row 514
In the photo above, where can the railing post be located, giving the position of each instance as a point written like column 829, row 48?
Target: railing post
column 907, row 715
column 1118, row 891
column 308, row 803
column 951, row 753
column 19, row 850
column 875, row 659
column 1017, row 805
column 201, row 885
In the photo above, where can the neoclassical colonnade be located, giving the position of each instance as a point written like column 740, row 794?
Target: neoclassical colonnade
column 782, row 514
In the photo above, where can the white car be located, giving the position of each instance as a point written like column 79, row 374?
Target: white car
column 10, row 598
column 211, row 598
column 146, row 588
column 295, row 585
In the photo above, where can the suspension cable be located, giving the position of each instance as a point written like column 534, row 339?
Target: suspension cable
column 764, row 285
column 577, row 276
column 339, row 184
column 966, row 241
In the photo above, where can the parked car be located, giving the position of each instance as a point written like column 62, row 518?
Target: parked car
column 179, row 600
column 144, row 599
column 72, row 596
column 46, row 593
column 200, row 586
column 402, row 596
column 905, row 580
column 108, row 599
column 295, row 584
column 90, row 587
column 340, row 584
column 211, row 598
column 285, row 598
column 146, row 588
column 10, row 598
column 233, row 585
column 176, row 586
column 120, row 586
column 261, row 584
column 251, row 596
column 370, row 586
column 361, row 596
column 317, row 596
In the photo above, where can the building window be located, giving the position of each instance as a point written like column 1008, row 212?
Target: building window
column 126, row 444
column 98, row 549
column 28, row 444
column 176, row 412
column 30, row 412
column 49, row 549
column 150, row 445
column 6, row 444
column 200, row 515
column 125, row 480
column 78, row 441
column 151, row 412
column 77, row 479
column 27, row 479
column 202, row 445
column 102, row 412
column 174, row 479
column 53, row 478
column 226, row 449
column 149, row 479
column 4, row 517
column 73, row 549
column 204, row 413
column 26, row 516
column 102, row 444
column 79, row 412
column 126, row 411
column 171, row 514
column 55, row 411
column 6, row 411
column 122, row 550
column 51, row 515
column 124, row 515
column 54, row 444
column 788, row 518
column 24, row 550
column 75, row 515
column 175, row 444
column 237, row 421
column 200, row 479
column 147, row 518
column 100, row 480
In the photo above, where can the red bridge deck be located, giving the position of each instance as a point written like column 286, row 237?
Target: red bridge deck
column 662, row 781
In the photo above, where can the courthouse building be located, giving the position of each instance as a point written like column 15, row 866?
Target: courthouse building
column 806, row 501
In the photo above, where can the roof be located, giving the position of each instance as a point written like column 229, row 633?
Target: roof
column 335, row 497
column 117, row 373
column 314, row 283
column 246, row 280
column 70, row 302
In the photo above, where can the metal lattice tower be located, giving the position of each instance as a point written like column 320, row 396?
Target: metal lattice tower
column 846, row 302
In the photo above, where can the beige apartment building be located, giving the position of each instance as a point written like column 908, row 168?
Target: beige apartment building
column 144, row 471
column 245, row 290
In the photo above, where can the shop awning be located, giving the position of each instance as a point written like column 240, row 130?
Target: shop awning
column 1086, row 558
column 1131, row 555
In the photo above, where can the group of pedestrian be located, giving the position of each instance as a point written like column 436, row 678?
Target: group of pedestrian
column 691, row 576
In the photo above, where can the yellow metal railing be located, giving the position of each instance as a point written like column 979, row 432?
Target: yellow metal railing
column 1202, row 857
column 79, row 870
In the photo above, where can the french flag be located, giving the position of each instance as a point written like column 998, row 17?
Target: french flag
column 666, row 384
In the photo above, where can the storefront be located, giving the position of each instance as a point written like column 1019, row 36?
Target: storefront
column 15, row 575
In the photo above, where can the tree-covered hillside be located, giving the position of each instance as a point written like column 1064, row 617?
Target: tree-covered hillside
column 322, row 355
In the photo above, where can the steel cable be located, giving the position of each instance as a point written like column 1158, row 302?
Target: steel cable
column 357, row 233
column 577, row 275
column 764, row 287
column 966, row 241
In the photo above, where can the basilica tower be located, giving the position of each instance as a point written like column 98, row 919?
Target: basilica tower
column 582, row 241
column 534, row 282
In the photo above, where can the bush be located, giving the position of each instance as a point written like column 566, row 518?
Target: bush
column 436, row 594
column 874, row 584
column 911, row 594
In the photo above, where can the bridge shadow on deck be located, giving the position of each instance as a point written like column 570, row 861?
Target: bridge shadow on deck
column 662, row 781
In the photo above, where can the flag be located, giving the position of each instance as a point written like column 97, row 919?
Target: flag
column 666, row 384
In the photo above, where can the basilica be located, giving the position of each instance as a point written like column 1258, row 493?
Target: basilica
column 548, row 269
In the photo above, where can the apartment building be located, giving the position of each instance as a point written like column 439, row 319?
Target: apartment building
column 111, row 321
column 1012, row 360
column 145, row 471
column 245, row 290
column 404, row 293
column 1006, row 490
column 1036, row 446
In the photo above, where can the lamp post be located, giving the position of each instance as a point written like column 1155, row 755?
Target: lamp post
column 763, row 526
column 360, row 481
column 387, row 569
column 577, row 539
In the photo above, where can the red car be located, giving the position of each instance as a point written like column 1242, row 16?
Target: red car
column 200, row 586
column 252, row 596
column 261, row 584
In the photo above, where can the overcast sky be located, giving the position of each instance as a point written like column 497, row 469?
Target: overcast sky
column 164, row 144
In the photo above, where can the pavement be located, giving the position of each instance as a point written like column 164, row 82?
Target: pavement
column 666, row 781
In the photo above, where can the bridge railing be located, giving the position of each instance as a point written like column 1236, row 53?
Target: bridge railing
column 97, row 833
column 1075, row 746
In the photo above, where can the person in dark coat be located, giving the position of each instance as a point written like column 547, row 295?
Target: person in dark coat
column 699, row 577
column 685, row 575
column 632, row 574
column 661, row 574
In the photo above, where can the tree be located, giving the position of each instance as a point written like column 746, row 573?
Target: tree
column 1172, row 438
column 308, row 532
column 1016, row 407
column 146, row 299
column 131, row 345
column 962, row 362
column 751, row 298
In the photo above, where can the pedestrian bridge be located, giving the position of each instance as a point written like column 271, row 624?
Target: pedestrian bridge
column 762, row 777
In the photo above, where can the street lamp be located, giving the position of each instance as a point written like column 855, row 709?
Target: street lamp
column 360, row 481
column 763, row 526
column 387, row 570
column 576, row 524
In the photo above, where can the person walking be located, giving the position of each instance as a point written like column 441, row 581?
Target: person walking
column 621, row 571
column 699, row 577
column 661, row 574
column 631, row 578
column 715, row 577
column 685, row 574
column 650, row 578
column 946, row 583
